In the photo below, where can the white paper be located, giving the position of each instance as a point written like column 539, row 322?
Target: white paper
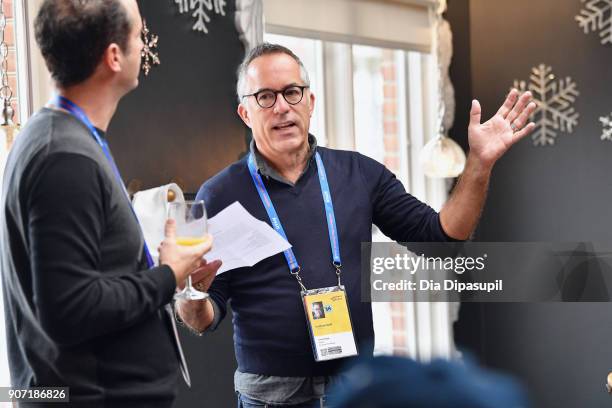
column 239, row 239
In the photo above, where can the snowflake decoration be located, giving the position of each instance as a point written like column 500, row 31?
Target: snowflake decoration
column 553, row 99
column 199, row 8
column 606, row 122
column 597, row 16
column 149, row 56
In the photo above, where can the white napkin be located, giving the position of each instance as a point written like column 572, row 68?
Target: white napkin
column 151, row 207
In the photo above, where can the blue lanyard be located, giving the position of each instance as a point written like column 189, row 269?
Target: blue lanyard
column 78, row 113
column 294, row 267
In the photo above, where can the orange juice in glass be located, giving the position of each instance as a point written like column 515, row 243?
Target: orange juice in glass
column 191, row 228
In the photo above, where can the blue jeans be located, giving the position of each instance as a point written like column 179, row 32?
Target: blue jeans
column 246, row 402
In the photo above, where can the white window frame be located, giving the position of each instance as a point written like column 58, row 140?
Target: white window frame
column 34, row 81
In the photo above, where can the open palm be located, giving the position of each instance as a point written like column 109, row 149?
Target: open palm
column 490, row 140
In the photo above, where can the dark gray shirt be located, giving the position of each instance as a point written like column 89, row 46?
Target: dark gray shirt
column 82, row 308
column 266, row 170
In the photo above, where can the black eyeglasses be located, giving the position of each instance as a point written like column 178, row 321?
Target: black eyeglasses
column 266, row 98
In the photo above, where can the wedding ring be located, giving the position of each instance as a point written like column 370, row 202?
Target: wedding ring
column 199, row 286
column 514, row 127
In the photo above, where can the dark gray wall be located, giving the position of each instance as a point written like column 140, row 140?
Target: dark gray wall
column 181, row 125
column 211, row 364
column 558, row 193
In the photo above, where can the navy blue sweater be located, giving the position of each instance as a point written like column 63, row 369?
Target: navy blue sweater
column 270, row 332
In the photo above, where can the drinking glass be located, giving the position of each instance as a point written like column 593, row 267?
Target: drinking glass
column 191, row 228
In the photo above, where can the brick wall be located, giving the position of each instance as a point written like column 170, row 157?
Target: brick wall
column 392, row 161
column 390, row 111
column 9, row 37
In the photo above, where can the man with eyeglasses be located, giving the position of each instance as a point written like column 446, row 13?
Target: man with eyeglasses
column 324, row 202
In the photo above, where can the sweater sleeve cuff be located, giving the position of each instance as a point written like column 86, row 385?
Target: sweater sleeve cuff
column 165, row 280
column 446, row 237
column 216, row 318
column 213, row 325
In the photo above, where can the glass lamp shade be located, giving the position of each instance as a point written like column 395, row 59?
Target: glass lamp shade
column 7, row 135
column 8, row 128
column 442, row 157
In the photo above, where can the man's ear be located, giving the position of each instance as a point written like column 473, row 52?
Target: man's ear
column 244, row 114
column 113, row 57
column 312, row 103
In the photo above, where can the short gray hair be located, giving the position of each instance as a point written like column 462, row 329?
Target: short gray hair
column 259, row 51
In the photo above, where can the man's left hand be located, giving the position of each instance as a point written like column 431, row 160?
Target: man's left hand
column 203, row 276
column 490, row 140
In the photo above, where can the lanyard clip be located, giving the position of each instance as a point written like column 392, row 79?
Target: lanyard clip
column 296, row 272
column 338, row 267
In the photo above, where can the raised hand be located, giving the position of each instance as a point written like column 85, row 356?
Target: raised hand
column 490, row 140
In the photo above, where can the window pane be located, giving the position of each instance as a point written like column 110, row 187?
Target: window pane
column 380, row 107
column 9, row 38
column 310, row 52
column 9, row 78
column 369, row 101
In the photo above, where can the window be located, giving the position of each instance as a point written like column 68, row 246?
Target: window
column 310, row 52
column 9, row 38
column 373, row 111
column 380, row 108
column 373, row 100
column 7, row 18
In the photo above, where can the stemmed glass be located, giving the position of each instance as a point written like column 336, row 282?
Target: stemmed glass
column 191, row 228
